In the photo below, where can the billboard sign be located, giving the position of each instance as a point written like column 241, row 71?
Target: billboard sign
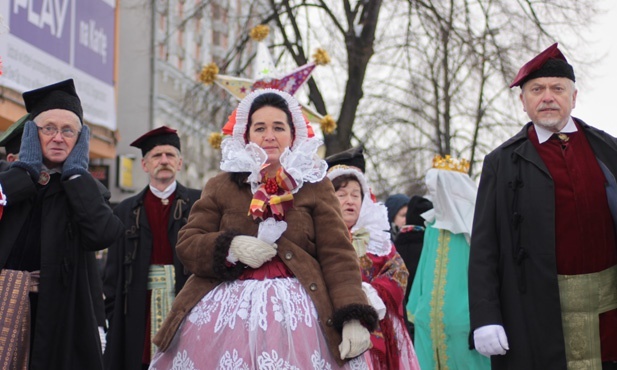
column 52, row 40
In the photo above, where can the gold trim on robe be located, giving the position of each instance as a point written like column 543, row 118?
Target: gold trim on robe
column 161, row 281
column 583, row 298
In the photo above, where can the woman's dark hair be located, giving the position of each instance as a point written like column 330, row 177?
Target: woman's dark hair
column 270, row 100
column 343, row 180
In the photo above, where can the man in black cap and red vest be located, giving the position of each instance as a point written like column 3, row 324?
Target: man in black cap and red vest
column 543, row 263
column 143, row 273
column 55, row 216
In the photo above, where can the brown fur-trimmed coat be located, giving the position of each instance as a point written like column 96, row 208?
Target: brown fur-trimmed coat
column 315, row 247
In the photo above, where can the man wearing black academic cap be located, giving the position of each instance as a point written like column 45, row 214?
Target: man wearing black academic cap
column 143, row 273
column 543, row 263
column 55, row 216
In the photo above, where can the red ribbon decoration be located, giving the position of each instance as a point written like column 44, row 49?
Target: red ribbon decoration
column 273, row 197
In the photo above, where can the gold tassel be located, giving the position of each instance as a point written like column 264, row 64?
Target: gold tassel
column 321, row 57
column 327, row 124
column 259, row 32
column 208, row 73
column 215, row 139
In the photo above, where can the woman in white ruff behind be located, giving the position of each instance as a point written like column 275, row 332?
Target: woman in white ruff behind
column 276, row 281
column 384, row 273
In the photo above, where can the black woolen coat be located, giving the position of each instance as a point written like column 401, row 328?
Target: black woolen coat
column 125, row 284
column 76, row 221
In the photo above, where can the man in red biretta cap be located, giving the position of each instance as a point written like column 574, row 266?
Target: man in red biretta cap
column 143, row 273
column 543, row 262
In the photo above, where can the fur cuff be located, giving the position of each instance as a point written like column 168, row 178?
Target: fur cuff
column 364, row 313
column 222, row 268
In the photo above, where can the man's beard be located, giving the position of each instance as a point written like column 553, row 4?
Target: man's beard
column 550, row 124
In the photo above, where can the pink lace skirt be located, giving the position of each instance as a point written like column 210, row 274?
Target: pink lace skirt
column 252, row 324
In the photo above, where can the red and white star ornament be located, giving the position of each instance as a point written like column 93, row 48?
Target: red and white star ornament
column 266, row 76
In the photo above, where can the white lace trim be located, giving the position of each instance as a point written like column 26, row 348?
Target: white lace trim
column 240, row 157
column 374, row 218
column 231, row 360
column 247, row 302
column 303, row 163
column 345, row 170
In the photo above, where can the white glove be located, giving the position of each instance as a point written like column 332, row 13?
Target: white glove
column 103, row 339
column 356, row 339
column 250, row 250
column 271, row 230
column 491, row 340
column 374, row 299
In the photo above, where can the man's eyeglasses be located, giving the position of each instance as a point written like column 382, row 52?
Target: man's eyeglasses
column 67, row 133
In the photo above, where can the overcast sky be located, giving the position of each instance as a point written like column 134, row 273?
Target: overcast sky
column 597, row 97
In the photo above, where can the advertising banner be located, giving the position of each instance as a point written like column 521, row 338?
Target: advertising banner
column 51, row 40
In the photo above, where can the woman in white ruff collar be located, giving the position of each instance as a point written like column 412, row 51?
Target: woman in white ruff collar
column 384, row 273
column 276, row 282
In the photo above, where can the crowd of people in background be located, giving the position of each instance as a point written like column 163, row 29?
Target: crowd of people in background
column 285, row 260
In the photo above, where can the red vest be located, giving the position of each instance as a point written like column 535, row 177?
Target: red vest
column 584, row 231
column 158, row 219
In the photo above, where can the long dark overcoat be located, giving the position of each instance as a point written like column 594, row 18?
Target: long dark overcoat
column 515, row 284
column 126, row 276
column 76, row 221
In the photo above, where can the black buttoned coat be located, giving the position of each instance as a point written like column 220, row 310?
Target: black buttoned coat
column 76, row 221
column 512, row 265
column 126, row 276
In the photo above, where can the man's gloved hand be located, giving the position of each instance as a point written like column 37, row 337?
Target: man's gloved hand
column 356, row 339
column 77, row 161
column 491, row 340
column 30, row 152
column 250, row 251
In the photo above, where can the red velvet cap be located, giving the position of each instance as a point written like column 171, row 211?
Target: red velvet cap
column 549, row 63
column 159, row 136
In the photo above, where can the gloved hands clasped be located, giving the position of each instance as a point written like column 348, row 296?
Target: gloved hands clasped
column 356, row 339
column 491, row 340
column 250, row 251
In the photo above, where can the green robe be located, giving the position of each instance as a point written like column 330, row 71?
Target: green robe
column 438, row 304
